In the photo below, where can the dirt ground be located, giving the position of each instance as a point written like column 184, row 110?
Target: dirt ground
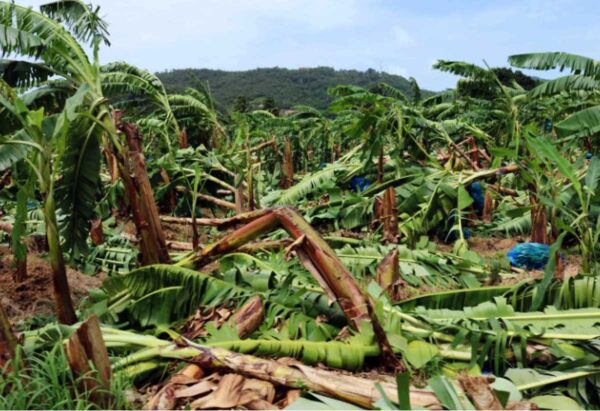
column 490, row 246
column 34, row 296
column 178, row 232
column 485, row 246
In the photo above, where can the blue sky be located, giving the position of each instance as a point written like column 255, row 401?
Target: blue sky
column 400, row 37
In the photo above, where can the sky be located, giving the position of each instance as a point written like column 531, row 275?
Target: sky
column 402, row 37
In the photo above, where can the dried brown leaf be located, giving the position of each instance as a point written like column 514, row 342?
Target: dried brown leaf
column 227, row 394
column 264, row 389
column 200, row 388
column 480, row 393
column 522, row 405
column 166, row 398
column 249, row 317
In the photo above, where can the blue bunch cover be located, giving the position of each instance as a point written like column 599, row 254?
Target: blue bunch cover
column 359, row 184
column 476, row 192
column 529, row 255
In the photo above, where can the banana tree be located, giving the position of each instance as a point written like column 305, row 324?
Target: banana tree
column 584, row 77
column 378, row 120
column 53, row 37
column 496, row 110
column 316, row 134
column 562, row 193
column 574, row 209
column 195, row 110
column 62, row 154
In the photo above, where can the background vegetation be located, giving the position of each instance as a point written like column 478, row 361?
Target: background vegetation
column 288, row 87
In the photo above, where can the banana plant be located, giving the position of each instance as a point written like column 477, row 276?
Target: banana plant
column 498, row 111
column 378, row 120
column 585, row 77
column 579, row 217
column 195, row 109
column 65, row 167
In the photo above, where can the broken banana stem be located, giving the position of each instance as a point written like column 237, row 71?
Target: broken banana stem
column 356, row 390
column 314, row 252
column 217, row 222
column 231, row 242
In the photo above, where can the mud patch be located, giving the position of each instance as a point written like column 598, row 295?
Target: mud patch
column 34, row 296
column 490, row 246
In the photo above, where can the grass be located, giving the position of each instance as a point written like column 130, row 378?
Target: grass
column 46, row 382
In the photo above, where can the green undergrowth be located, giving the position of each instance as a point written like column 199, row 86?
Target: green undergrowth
column 46, row 383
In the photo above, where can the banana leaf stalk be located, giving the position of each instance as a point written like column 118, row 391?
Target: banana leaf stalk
column 558, row 379
column 390, row 216
column 339, row 281
column 259, row 224
column 182, row 139
column 217, row 201
column 239, row 197
column 267, row 245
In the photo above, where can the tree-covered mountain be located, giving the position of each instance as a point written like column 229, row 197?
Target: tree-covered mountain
column 287, row 87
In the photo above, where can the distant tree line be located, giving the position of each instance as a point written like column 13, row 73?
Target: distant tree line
column 267, row 88
column 278, row 88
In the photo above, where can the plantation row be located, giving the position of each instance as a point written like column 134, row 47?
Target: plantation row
column 389, row 252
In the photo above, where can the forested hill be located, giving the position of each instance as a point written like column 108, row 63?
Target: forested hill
column 288, row 87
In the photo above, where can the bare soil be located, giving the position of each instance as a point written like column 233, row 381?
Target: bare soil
column 178, row 232
column 34, row 296
column 485, row 246
column 490, row 246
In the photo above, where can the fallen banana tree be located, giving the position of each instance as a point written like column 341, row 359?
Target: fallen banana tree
column 356, row 390
column 216, row 222
column 321, row 260
column 316, row 256
column 248, row 248
column 469, row 335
